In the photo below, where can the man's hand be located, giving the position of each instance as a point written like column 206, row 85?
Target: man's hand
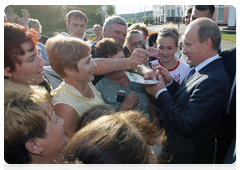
column 153, row 89
column 129, row 102
column 137, row 58
column 150, row 75
column 166, row 77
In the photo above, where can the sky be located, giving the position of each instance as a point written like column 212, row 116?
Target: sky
column 128, row 9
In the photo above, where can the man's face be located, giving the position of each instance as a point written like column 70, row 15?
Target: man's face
column 98, row 32
column 193, row 49
column 135, row 41
column 9, row 10
column 198, row 14
column 24, row 13
column 77, row 27
column 116, row 31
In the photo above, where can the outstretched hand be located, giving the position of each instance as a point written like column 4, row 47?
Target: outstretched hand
column 137, row 58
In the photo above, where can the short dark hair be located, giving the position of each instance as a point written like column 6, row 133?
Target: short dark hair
column 76, row 14
column 152, row 37
column 94, row 113
column 14, row 36
column 211, row 9
column 106, row 47
column 189, row 10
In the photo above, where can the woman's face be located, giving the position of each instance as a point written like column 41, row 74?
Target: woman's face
column 56, row 139
column 167, row 49
column 85, row 69
column 36, row 27
column 31, row 67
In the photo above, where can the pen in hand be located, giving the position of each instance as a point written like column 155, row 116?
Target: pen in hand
column 144, row 47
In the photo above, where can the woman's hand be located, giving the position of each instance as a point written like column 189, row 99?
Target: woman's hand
column 129, row 102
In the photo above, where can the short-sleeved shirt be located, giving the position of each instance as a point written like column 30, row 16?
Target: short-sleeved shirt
column 67, row 94
column 109, row 90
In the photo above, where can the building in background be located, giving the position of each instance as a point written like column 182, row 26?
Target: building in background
column 223, row 15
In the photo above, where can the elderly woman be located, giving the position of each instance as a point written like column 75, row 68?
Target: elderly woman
column 70, row 58
column 120, row 138
column 33, row 133
column 35, row 24
column 23, row 62
column 136, row 96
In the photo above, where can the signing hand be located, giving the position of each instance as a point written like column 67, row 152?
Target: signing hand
column 166, row 77
column 153, row 89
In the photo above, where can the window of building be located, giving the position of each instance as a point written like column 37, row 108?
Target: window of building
column 172, row 13
column 220, row 13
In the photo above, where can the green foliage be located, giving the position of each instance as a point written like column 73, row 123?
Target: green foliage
column 111, row 9
column 151, row 21
column 129, row 20
column 51, row 18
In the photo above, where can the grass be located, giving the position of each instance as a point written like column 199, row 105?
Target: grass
column 229, row 37
column 91, row 36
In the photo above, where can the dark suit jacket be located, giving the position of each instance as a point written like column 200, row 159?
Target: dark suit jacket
column 193, row 113
column 228, row 126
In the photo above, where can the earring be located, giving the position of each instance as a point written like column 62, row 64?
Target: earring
column 41, row 154
column 11, row 78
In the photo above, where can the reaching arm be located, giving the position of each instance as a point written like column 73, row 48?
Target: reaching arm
column 106, row 65
column 133, row 63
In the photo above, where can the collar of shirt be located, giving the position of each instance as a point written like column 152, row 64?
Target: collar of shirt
column 206, row 62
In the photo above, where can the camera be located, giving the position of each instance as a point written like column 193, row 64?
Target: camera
column 121, row 95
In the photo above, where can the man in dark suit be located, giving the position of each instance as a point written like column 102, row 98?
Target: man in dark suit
column 228, row 126
column 193, row 110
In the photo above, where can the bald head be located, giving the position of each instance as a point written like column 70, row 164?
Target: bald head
column 207, row 28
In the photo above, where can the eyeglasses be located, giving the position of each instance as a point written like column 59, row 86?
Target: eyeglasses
column 136, row 44
column 35, row 26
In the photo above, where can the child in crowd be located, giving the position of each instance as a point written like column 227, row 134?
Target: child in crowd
column 167, row 44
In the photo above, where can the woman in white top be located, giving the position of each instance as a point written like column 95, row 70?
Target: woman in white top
column 70, row 58
column 167, row 43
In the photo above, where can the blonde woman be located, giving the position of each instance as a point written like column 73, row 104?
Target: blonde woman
column 70, row 58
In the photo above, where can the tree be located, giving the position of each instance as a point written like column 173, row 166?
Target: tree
column 129, row 20
column 138, row 15
column 111, row 9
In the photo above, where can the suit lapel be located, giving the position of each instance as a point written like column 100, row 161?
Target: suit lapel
column 185, row 84
column 197, row 75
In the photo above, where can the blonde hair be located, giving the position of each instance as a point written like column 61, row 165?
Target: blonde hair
column 96, row 26
column 139, row 26
column 169, row 30
column 65, row 51
column 25, row 117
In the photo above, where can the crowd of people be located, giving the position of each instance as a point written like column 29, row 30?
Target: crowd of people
column 68, row 100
